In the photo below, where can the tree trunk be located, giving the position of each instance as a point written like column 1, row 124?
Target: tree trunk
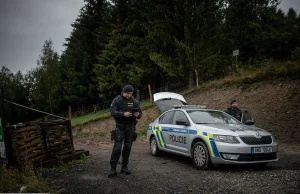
column 191, row 79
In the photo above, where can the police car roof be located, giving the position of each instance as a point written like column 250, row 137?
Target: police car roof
column 189, row 107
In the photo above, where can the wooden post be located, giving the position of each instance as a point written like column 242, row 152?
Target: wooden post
column 150, row 93
column 197, row 81
column 70, row 113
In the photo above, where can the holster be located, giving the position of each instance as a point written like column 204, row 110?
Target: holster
column 134, row 136
column 113, row 134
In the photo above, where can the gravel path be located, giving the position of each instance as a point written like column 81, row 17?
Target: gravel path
column 173, row 174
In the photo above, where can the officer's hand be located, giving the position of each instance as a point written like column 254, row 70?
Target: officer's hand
column 136, row 114
column 127, row 114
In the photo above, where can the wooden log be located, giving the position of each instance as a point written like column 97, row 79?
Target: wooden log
column 73, row 156
column 40, row 153
column 56, row 149
column 59, row 145
column 24, row 140
column 58, row 140
column 63, row 152
column 53, row 135
column 40, row 147
column 26, row 134
column 29, row 156
column 56, row 129
column 33, row 128
column 30, row 144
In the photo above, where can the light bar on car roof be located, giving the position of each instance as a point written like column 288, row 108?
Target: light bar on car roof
column 190, row 106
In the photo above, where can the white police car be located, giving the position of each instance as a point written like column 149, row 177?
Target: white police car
column 207, row 136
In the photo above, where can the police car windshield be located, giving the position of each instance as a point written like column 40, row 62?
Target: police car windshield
column 211, row 117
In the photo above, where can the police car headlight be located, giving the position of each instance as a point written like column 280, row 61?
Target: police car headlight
column 226, row 139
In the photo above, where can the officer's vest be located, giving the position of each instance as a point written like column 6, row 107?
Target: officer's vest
column 126, row 105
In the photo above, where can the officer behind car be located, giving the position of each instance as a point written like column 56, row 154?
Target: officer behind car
column 121, row 110
column 234, row 111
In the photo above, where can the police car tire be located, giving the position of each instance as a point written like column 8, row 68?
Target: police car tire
column 156, row 153
column 207, row 163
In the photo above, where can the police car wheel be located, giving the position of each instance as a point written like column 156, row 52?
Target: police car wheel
column 153, row 146
column 200, row 156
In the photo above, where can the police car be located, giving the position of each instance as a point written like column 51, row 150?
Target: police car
column 207, row 136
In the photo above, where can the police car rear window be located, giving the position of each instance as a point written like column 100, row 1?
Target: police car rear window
column 167, row 118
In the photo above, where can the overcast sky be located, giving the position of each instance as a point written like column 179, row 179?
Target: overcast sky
column 26, row 24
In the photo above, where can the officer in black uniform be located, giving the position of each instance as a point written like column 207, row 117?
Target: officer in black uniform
column 234, row 111
column 121, row 109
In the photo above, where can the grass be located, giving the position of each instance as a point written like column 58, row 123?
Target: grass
column 142, row 134
column 103, row 114
column 268, row 71
column 11, row 181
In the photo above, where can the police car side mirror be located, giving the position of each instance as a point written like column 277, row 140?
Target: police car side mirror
column 182, row 122
column 249, row 122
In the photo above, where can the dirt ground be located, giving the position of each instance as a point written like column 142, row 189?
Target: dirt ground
column 174, row 174
column 275, row 106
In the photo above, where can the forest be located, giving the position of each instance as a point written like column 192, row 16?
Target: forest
column 156, row 42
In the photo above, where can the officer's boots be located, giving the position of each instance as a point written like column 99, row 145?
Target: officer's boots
column 124, row 170
column 112, row 172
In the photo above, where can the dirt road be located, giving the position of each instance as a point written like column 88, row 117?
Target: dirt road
column 174, row 174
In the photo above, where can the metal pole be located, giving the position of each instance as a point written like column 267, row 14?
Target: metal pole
column 3, row 150
column 33, row 109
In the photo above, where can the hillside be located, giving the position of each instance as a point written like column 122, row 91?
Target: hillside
column 274, row 106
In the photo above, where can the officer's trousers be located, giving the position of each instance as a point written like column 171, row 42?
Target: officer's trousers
column 124, row 134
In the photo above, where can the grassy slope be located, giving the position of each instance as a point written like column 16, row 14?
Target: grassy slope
column 271, row 71
column 103, row 114
column 250, row 75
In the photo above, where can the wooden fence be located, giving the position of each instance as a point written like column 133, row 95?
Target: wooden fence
column 44, row 145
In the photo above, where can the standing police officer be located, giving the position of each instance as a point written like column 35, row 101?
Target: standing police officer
column 121, row 109
column 234, row 111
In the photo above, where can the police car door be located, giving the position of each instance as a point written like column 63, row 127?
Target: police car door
column 178, row 134
column 162, row 131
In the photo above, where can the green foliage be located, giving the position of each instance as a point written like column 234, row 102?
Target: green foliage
column 12, row 180
column 46, row 91
column 90, row 117
column 83, row 157
column 141, row 42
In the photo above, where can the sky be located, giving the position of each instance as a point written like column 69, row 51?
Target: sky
column 25, row 25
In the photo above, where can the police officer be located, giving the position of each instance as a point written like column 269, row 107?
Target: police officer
column 234, row 111
column 121, row 110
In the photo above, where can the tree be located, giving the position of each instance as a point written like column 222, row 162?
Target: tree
column 124, row 57
column 87, row 39
column 47, row 87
